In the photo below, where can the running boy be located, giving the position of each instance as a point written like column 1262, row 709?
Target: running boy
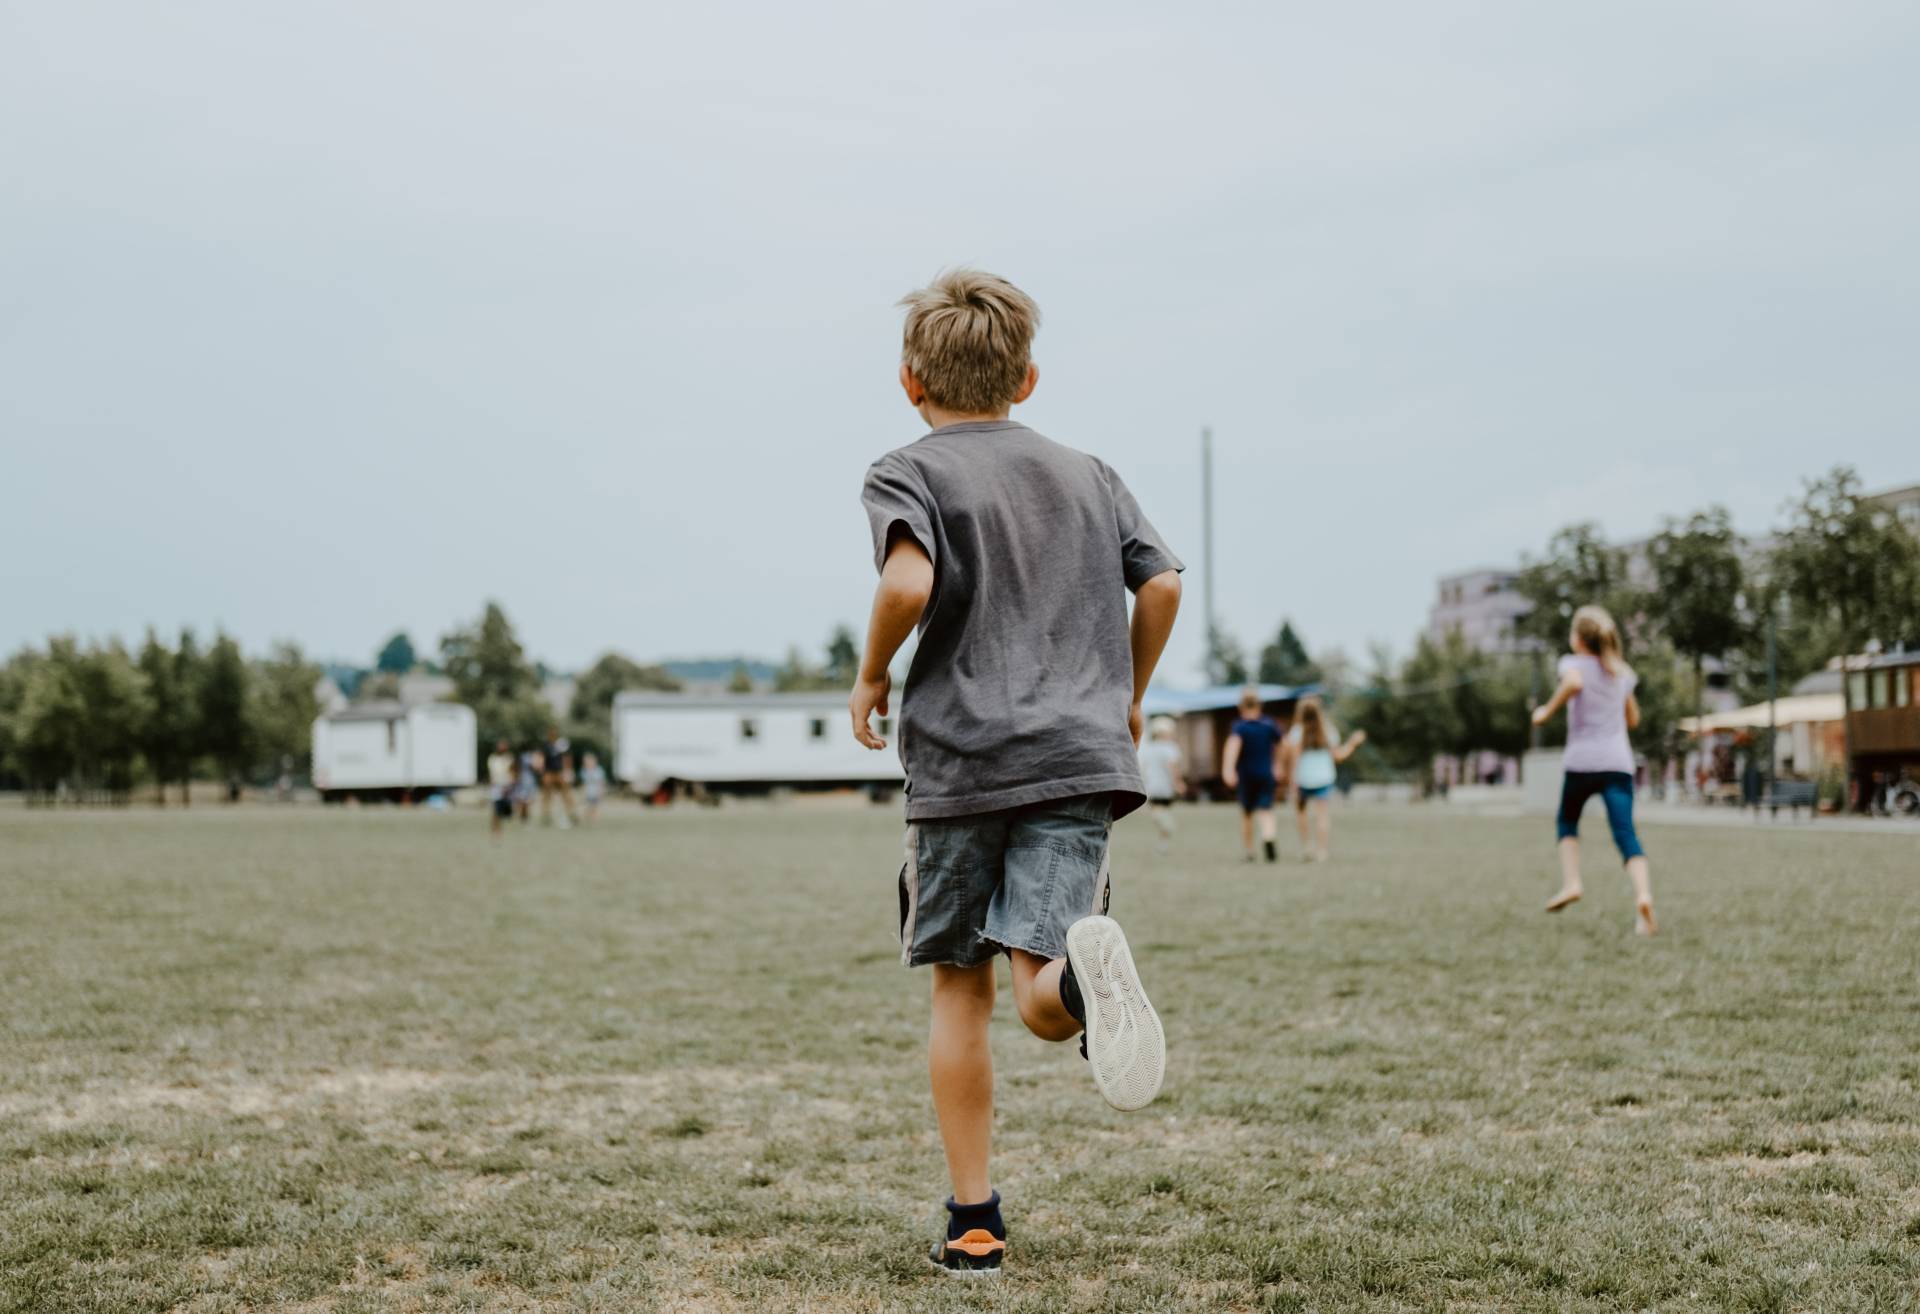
column 1018, row 725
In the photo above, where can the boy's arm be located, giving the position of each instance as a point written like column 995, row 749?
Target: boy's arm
column 906, row 582
column 1155, row 603
column 1230, row 762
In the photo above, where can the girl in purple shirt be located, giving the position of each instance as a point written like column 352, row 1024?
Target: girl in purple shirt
column 1596, row 688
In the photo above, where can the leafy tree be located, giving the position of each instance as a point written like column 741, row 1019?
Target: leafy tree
column 1285, row 660
column 51, row 711
column 1844, row 558
column 794, row 675
column 114, row 695
column 1664, row 690
column 397, row 657
column 189, row 673
column 225, row 734
column 1698, row 579
column 491, row 674
column 13, row 682
column 742, row 681
column 612, row 674
column 1579, row 567
column 1226, row 659
column 166, row 730
column 282, row 707
column 843, row 657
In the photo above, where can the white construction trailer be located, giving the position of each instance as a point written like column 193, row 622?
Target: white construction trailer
column 393, row 751
column 747, row 743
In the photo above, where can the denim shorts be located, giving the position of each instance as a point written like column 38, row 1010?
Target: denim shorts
column 973, row 887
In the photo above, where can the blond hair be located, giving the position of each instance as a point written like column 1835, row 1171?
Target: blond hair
column 968, row 339
column 1249, row 700
column 1313, row 724
column 1594, row 630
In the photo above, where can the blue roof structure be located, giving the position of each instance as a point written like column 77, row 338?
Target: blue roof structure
column 1217, row 698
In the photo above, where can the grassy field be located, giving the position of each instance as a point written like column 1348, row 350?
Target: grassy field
column 292, row 1060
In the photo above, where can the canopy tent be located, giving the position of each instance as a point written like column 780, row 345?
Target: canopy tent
column 1794, row 710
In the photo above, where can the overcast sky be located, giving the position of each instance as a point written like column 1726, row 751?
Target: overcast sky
column 319, row 321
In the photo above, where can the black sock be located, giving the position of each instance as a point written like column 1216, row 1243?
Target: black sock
column 1273, row 854
column 1070, row 993
column 962, row 1219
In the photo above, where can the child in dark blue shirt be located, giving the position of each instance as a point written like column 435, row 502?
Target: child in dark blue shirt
column 1248, row 769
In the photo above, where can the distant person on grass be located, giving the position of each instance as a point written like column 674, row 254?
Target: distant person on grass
column 526, row 784
column 1018, row 725
column 593, row 784
column 501, row 772
column 1160, row 765
column 1311, row 759
column 1596, row 688
column 1248, row 770
column 556, row 777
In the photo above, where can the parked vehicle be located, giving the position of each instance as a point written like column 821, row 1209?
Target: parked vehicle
column 379, row 751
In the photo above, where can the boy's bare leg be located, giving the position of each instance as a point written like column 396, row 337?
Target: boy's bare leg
column 1323, row 822
column 1246, row 831
column 1036, row 993
column 1569, row 875
column 960, row 1063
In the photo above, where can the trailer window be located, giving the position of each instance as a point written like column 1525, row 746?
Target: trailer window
column 1900, row 679
column 817, row 727
column 1856, row 690
column 749, row 729
column 1879, row 688
column 393, row 737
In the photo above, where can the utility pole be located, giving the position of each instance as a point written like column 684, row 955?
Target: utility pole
column 1206, row 547
column 1773, row 690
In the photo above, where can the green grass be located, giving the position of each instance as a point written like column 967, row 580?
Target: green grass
column 292, row 1060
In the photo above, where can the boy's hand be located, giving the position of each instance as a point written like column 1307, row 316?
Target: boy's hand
column 1136, row 722
column 868, row 697
column 1542, row 714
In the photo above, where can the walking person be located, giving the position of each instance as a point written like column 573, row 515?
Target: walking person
column 1248, row 770
column 593, row 785
column 1311, row 759
column 1597, row 689
column 526, row 784
column 1160, row 769
column 501, row 770
column 556, row 777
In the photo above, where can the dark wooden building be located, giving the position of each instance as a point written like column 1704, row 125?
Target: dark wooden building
column 1883, row 717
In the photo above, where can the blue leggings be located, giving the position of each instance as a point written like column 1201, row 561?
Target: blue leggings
column 1615, row 789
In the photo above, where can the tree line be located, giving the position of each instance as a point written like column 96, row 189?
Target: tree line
column 93, row 721
column 1838, row 574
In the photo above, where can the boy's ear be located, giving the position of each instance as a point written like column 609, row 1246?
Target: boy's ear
column 1026, row 389
column 916, row 393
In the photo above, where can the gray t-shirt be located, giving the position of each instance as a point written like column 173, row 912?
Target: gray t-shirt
column 1019, row 690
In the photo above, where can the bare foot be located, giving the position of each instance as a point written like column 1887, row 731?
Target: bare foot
column 1643, row 917
column 1571, row 894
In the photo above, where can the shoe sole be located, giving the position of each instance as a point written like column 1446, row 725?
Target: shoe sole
column 1126, row 1046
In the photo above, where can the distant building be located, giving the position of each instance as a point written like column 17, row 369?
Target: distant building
column 417, row 688
column 1484, row 606
column 1903, row 502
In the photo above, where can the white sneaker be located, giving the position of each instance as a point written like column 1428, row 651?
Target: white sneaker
column 1124, row 1042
